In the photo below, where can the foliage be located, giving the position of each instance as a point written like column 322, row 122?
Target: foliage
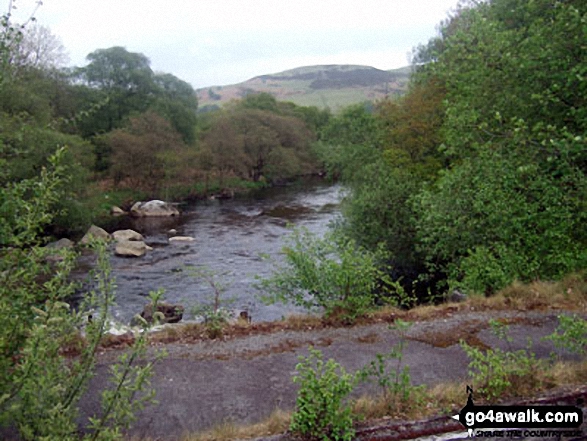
column 41, row 386
column 258, row 144
column 512, row 205
column 27, row 148
column 378, row 212
column 486, row 229
column 571, row 334
column 411, row 129
column 332, row 274
column 484, row 158
column 214, row 314
column 395, row 382
column 145, row 153
column 496, row 371
column 320, row 413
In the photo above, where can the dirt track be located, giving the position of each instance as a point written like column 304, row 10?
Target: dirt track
column 243, row 380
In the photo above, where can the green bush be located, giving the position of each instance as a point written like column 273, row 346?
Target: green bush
column 332, row 274
column 571, row 334
column 320, row 412
column 495, row 371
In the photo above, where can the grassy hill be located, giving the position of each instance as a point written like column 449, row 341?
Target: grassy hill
column 333, row 86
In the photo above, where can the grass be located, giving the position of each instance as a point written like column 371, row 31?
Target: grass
column 277, row 422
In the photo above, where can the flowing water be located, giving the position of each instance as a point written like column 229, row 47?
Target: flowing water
column 236, row 239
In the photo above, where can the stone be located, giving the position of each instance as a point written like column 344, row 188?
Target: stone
column 61, row 244
column 457, row 296
column 117, row 211
column 95, row 233
column 130, row 248
column 153, row 208
column 181, row 239
column 172, row 232
column 122, row 235
column 55, row 247
column 171, row 313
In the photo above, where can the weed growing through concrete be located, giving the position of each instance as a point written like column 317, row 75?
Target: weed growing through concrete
column 571, row 334
column 395, row 382
column 214, row 314
column 320, row 410
column 495, row 371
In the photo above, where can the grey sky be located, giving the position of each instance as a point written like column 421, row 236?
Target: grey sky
column 218, row 42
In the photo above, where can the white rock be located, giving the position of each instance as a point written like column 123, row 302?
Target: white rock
column 153, row 208
column 121, row 235
column 181, row 239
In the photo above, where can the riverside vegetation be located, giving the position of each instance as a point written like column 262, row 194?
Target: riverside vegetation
column 473, row 181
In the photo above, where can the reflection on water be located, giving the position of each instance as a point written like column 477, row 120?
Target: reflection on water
column 231, row 238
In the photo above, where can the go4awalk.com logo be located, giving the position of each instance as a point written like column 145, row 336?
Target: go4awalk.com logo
column 520, row 421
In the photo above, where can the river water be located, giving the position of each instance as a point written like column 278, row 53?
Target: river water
column 237, row 239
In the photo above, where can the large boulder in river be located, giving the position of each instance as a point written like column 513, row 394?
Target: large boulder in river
column 95, row 233
column 131, row 248
column 121, row 235
column 153, row 208
column 171, row 313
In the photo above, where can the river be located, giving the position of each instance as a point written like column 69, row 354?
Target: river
column 236, row 239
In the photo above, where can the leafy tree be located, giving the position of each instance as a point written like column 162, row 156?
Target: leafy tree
column 126, row 84
column 354, row 126
column 138, row 158
column 513, row 202
column 259, row 101
column 258, row 144
column 498, row 217
column 177, row 101
column 225, row 147
column 411, row 129
column 116, row 69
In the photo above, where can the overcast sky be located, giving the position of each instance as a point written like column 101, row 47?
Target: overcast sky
column 219, row 42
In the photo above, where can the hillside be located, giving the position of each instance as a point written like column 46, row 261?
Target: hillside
column 332, row 86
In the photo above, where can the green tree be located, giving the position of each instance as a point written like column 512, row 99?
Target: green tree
column 126, row 85
column 513, row 202
column 143, row 152
column 177, row 102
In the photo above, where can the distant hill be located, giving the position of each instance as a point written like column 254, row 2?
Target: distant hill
column 332, row 86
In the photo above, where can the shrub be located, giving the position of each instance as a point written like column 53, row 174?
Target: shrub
column 571, row 334
column 395, row 381
column 495, row 371
column 333, row 274
column 215, row 316
column 320, row 412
